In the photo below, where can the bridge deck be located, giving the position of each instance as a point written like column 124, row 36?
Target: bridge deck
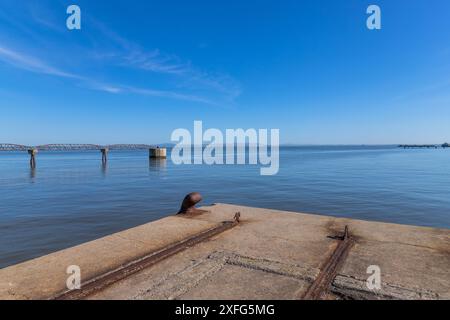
column 73, row 147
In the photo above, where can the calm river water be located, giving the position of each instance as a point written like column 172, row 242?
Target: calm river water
column 71, row 198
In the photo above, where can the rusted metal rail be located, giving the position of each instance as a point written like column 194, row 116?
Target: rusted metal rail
column 99, row 283
column 326, row 276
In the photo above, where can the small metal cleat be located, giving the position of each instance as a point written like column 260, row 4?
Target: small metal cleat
column 237, row 217
column 346, row 233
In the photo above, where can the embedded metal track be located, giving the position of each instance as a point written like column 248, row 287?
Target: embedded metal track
column 99, row 283
column 323, row 281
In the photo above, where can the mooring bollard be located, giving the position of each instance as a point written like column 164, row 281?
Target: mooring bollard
column 189, row 202
column 32, row 153
column 104, row 155
column 158, row 153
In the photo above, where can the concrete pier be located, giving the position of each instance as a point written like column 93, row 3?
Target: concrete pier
column 258, row 254
column 32, row 153
column 158, row 153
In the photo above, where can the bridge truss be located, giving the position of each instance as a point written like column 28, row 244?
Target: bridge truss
column 73, row 147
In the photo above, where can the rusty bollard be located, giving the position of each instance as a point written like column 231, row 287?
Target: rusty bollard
column 189, row 202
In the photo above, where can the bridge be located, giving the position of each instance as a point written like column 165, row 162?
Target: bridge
column 154, row 151
column 73, row 147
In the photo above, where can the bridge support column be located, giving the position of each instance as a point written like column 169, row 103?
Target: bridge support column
column 32, row 153
column 158, row 153
column 104, row 155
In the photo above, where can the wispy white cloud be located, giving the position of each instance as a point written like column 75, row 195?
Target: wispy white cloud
column 102, row 49
column 32, row 64
column 154, row 61
column 45, row 16
column 25, row 62
column 435, row 89
column 108, row 88
column 169, row 94
column 116, row 89
column 131, row 55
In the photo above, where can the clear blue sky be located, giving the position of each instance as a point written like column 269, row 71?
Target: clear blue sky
column 139, row 69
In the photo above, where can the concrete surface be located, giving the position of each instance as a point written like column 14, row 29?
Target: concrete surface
column 269, row 255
